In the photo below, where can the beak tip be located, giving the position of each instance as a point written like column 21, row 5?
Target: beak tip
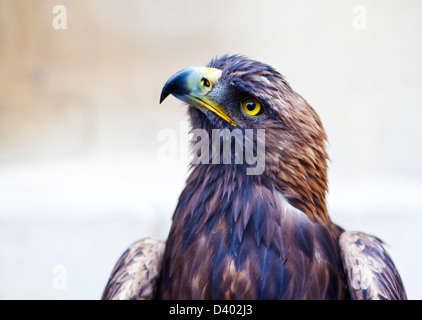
column 165, row 93
column 162, row 98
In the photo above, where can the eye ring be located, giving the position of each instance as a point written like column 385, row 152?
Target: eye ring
column 252, row 107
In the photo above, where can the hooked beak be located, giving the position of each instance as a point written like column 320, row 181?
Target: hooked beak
column 192, row 85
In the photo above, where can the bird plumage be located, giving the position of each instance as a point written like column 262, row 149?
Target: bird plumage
column 264, row 236
column 136, row 273
column 371, row 273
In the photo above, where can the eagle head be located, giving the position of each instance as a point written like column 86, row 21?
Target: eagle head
column 235, row 92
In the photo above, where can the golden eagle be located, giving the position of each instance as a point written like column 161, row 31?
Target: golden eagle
column 237, row 235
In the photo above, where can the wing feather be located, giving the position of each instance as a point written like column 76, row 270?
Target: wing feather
column 371, row 274
column 135, row 274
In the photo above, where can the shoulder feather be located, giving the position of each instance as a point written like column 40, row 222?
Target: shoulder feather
column 135, row 274
column 371, row 273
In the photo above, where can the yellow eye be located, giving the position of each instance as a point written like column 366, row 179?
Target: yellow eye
column 252, row 107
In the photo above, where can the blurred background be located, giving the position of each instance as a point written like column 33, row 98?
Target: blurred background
column 82, row 168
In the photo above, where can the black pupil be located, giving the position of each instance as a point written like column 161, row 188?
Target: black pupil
column 250, row 106
column 206, row 82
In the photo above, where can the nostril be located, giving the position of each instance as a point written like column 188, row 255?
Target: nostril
column 206, row 82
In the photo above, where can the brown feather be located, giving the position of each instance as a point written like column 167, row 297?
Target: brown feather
column 136, row 272
column 370, row 271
